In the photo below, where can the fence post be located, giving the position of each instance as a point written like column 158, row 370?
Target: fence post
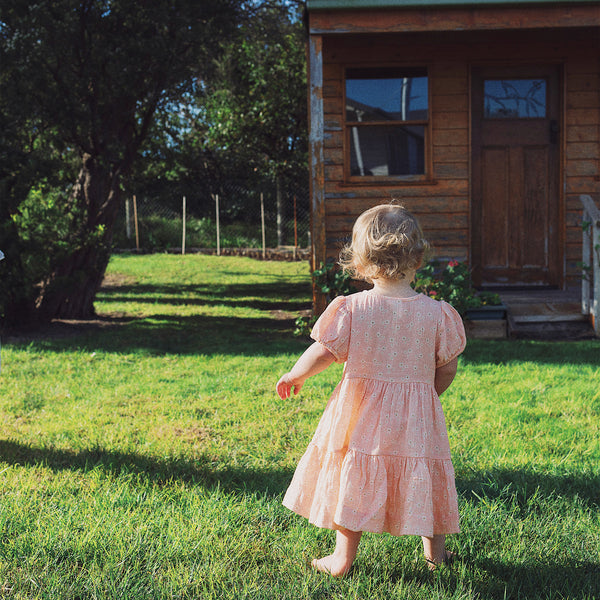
column 127, row 219
column 295, row 229
column 135, row 217
column 279, row 201
column 262, row 224
column 218, row 230
column 183, row 229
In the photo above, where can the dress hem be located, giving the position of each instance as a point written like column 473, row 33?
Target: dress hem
column 379, row 493
column 339, row 527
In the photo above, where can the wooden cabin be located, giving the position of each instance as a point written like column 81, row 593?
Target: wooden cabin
column 482, row 118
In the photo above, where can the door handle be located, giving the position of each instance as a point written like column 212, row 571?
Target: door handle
column 553, row 131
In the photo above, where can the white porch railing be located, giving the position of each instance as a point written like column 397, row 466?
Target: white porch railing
column 590, row 283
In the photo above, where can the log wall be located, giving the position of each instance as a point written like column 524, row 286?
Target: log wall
column 443, row 203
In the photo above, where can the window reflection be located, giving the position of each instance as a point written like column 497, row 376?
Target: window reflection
column 514, row 98
column 384, row 151
column 386, row 95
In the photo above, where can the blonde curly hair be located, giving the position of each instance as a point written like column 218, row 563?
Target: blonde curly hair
column 386, row 242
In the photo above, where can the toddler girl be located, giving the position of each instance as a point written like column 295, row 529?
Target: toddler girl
column 380, row 459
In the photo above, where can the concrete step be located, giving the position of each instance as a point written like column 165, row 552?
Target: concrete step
column 548, row 321
column 546, row 312
column 551, row 330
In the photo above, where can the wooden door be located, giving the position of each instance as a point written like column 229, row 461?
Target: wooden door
column 515, row 229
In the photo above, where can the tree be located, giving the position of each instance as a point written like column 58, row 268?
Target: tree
column 254, row 108
column 92, row 75
column 245, row 126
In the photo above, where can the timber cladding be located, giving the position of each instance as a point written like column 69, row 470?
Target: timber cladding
column 443, row 197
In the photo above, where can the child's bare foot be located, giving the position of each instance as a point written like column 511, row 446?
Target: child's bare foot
column 433, row 564
column 338, row 564
column 332, row 565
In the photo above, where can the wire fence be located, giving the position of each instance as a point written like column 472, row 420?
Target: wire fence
column 231, row 217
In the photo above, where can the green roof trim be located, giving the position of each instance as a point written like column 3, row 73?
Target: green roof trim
column 349, row 4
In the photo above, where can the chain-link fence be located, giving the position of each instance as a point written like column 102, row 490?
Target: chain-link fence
column 231, row 217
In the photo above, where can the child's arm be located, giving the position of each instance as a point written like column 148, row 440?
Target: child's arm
column 314, row 360
column 444, row 376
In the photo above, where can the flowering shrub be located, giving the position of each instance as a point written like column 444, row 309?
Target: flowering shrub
column 452, row 284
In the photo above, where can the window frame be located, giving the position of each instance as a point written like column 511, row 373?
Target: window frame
column 347, row 126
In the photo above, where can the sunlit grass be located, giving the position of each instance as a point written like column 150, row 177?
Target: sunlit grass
column 145, row 455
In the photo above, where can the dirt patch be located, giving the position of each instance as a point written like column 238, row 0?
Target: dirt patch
column 284, row 315
column 116, row 280
column 191, row 434
column 66, row 328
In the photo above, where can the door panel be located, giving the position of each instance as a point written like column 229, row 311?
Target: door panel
column 515, row 192
column 534, row 228
column 495, row 243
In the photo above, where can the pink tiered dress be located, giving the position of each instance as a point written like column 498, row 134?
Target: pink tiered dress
column 380, row 459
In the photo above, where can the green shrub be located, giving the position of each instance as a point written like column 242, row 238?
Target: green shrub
column 333, row 282
column 46, row 228
column 454, row 285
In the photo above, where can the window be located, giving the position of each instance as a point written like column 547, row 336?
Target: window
column 514, row 98
column 387, row 112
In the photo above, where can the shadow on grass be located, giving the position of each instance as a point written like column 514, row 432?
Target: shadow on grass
column 170, row 334
column 482, row 352
column 269, row 482
column 521, row 485
column 538, row 578
column 492, row 580
column 264, row 296
column 550, row 579
column 267, row 335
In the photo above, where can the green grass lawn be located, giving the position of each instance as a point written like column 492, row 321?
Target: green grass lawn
column 145, row 454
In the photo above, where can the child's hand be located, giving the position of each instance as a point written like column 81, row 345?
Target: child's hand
column 286, row 384
column 315, row 358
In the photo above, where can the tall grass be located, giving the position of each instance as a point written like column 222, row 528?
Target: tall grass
column 145, row 454
column 159, row 233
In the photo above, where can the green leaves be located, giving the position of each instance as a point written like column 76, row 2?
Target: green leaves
column 452, row 284
column 255, row 107
column 333, row 282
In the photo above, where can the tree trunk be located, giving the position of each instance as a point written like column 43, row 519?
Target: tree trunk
column 70, row 290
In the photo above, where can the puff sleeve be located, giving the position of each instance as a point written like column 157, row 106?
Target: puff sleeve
column 451, row 338
column 332, row 329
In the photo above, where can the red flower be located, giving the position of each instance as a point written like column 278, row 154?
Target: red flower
column 453, row 263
